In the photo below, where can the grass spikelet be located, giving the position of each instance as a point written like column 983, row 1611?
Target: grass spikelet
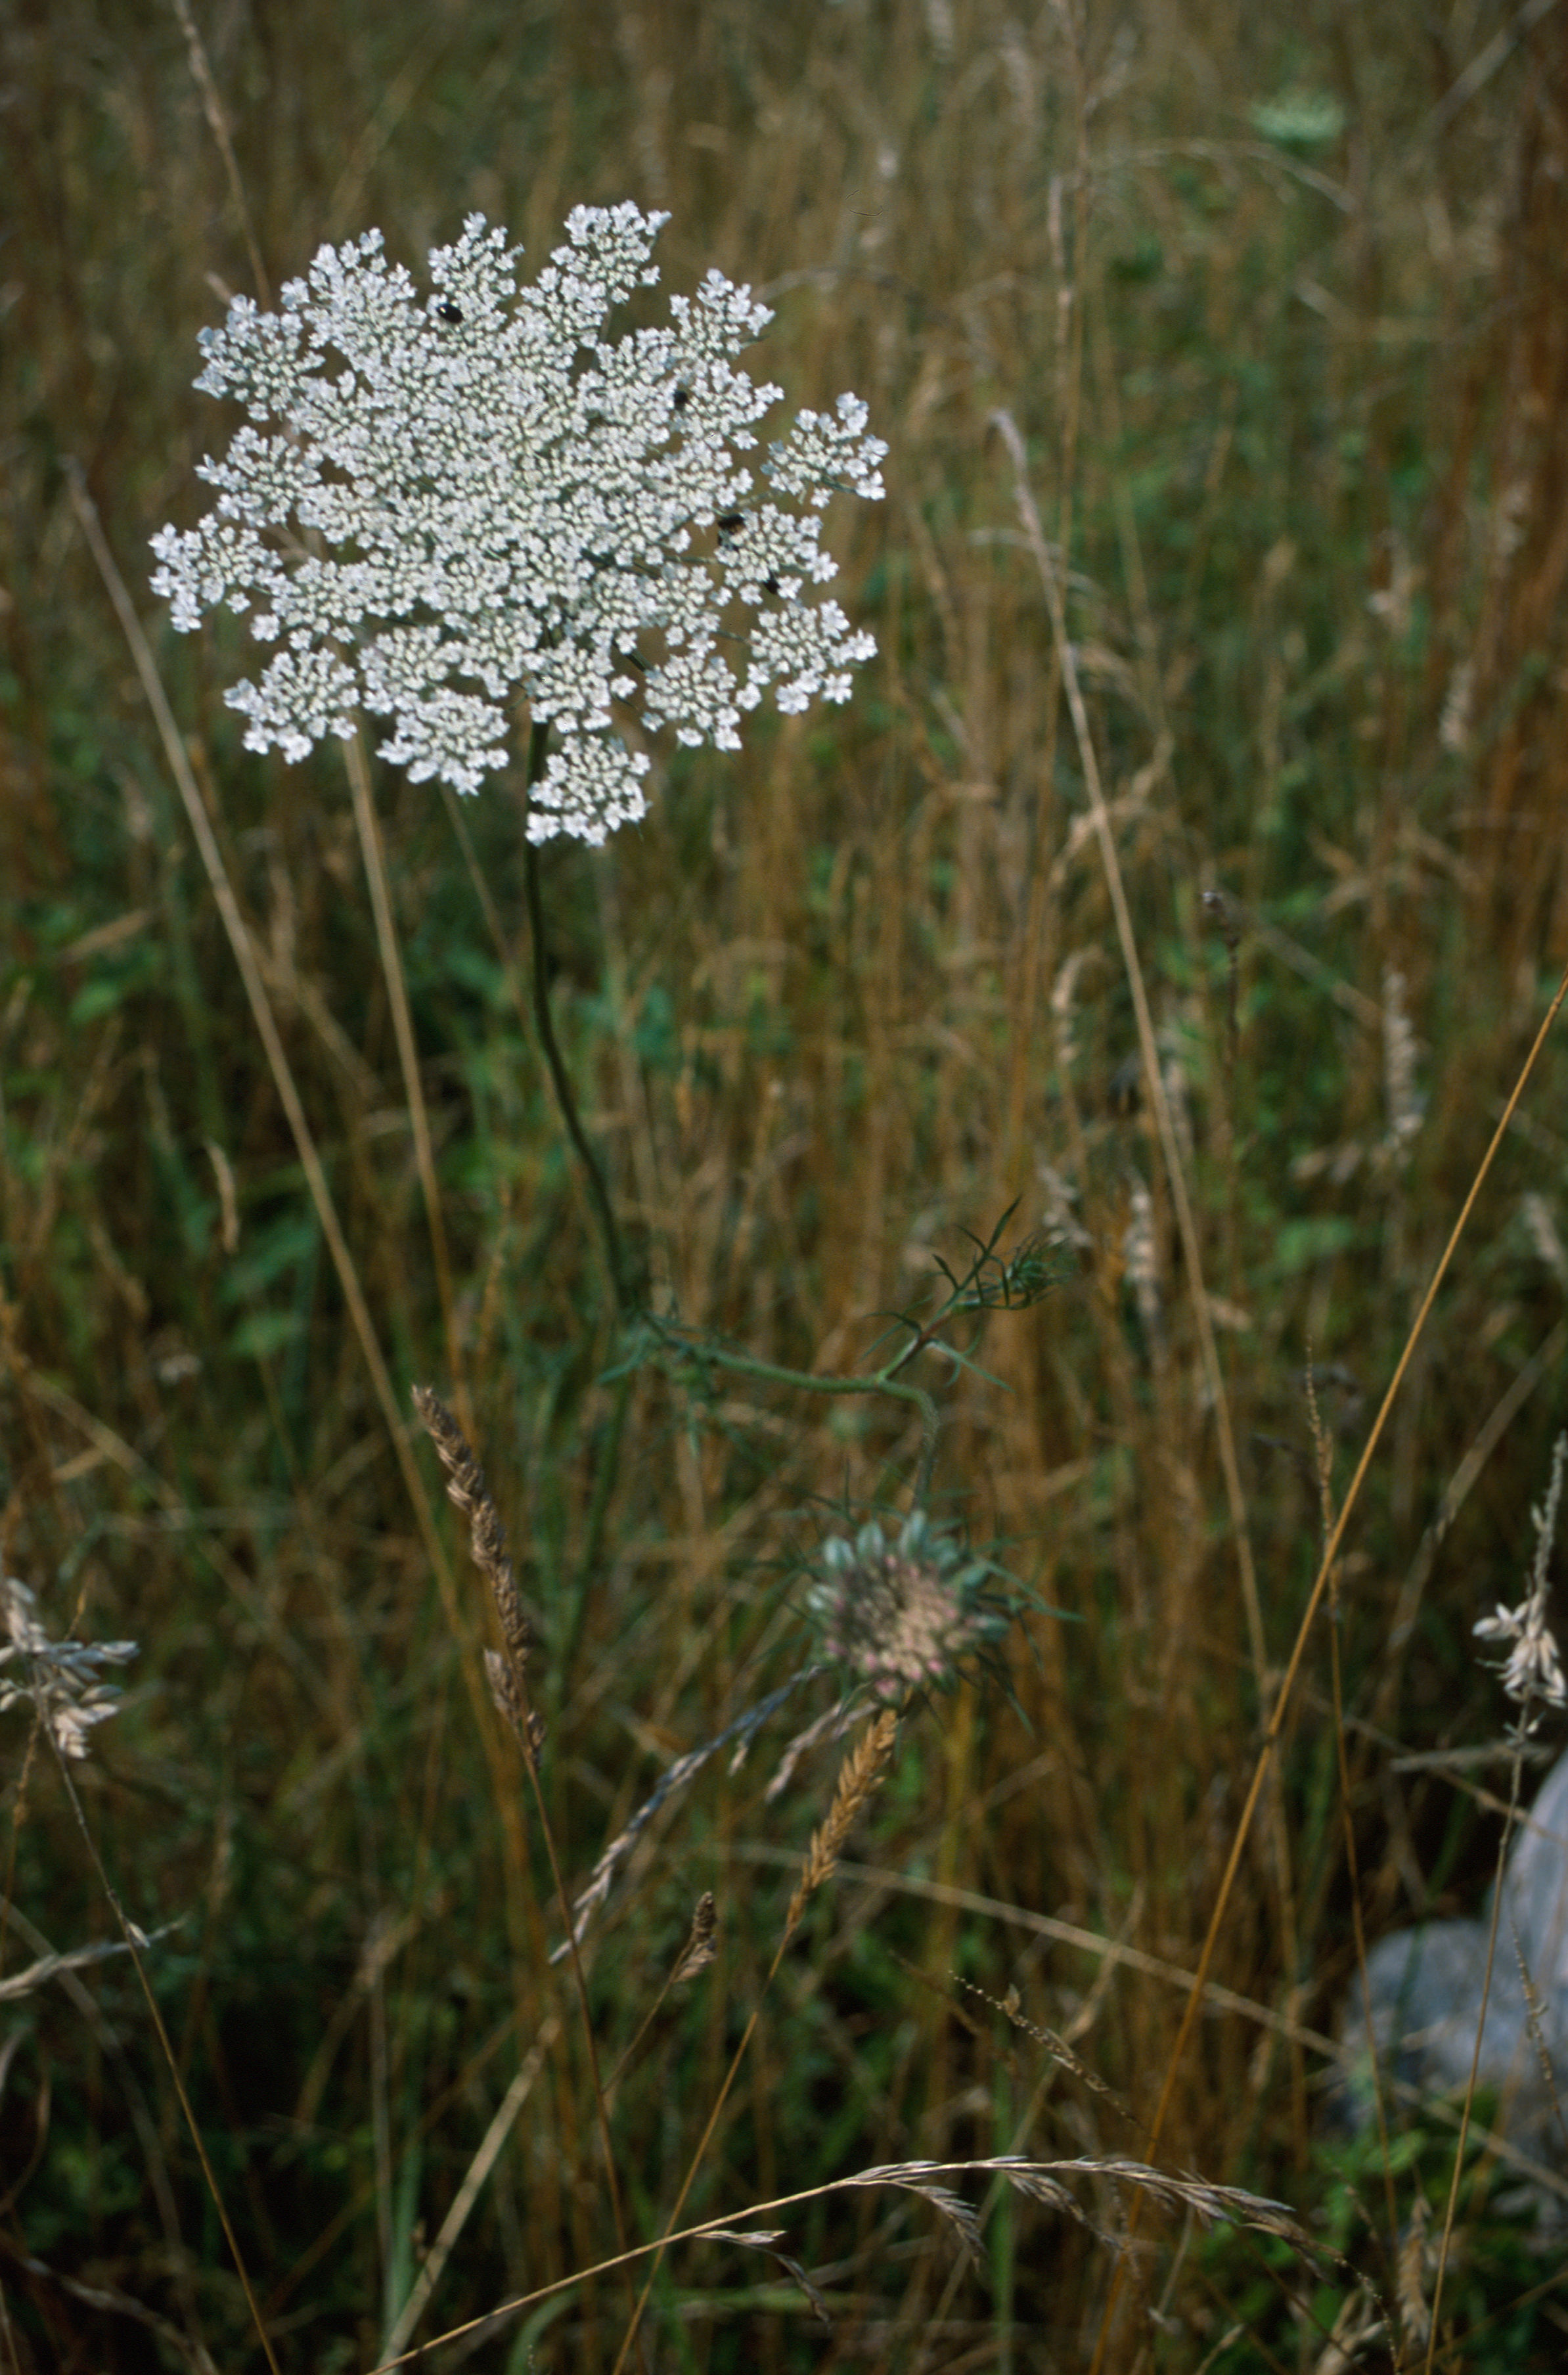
column 699, row 1950
column 1409, row 2280
column 467, row 1489
column 858, row 1775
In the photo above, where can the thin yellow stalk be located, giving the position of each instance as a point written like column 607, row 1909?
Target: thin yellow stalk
column 1159, row 1103
column 408, row 1057
column 1325, row 1569
column 858, row 1775
column 265, row 1021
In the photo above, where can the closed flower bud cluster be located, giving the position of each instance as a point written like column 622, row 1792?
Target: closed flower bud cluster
column 449, row 504
column 903, row 1614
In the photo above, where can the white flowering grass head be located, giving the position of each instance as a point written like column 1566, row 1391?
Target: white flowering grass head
column 447, row 505
column 905, row 1614
column 62, row 1680
column 1532, row 1670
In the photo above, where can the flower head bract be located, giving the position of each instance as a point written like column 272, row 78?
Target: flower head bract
column 443, row 506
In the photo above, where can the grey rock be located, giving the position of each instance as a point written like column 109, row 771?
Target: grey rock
column 1425, row 1989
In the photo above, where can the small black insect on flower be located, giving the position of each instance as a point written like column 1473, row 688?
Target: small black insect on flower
column 729, row 525
column 448, row 311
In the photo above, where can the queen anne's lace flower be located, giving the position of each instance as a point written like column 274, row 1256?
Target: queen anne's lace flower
column 478, row 496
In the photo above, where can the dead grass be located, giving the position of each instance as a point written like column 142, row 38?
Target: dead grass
column 1289, row 424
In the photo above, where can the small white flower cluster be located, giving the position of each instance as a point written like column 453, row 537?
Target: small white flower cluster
column 484, row 497
column 1533, row 1669
column 61, row 1679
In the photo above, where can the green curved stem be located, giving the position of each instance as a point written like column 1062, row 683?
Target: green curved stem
column 599, row 1194
column 881, row 1381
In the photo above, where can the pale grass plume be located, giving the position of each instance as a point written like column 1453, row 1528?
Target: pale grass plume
column 1541, row 1228
column 1140, row 1250
column 1532, row 1670
column 1404, row 1104
column 62, row 1680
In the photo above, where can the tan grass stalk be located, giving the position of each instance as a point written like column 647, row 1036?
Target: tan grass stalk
column 1037, row 2180
column 1314, row 1601
column 375, row 860
column 858, row 1775
column 217, row 124
column 697, row 1954
column 136, row 1942
column 1323, row 1461
column 1153, row 1072
column 473, row 2184
column 467, row 1490
column 239, row 940
column 595, row 1891
column 508, row 1677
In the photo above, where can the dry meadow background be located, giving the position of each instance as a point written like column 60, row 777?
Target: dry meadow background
column 1275, row 303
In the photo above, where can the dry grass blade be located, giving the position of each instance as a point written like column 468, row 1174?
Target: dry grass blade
column 764, row 2242
column 858, row 1775
column 1056, row 2047
column 1178, row 2190
column 507, row 1676
column 912, row 2178
column 1037, row 2179
column 1326, row 1570
column 242, row 944
column 1359, row 2321
column 49, row 1967
column 696, row 1956
column 598, row 1887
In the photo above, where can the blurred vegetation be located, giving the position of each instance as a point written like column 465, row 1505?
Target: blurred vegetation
column 1276, row 304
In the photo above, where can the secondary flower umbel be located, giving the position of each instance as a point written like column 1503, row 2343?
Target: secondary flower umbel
column 444, row 504
column 906, row 1614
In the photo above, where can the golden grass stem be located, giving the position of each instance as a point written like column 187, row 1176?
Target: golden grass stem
column 1320, row 1586
column 374, row 859
column 1154, row 1082
column 217, row 124
column 1451, row 2205
column 1039, row 2181
column 858, row 1775
column 467, row 1490
column 135, row 1941
column 239, row 940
